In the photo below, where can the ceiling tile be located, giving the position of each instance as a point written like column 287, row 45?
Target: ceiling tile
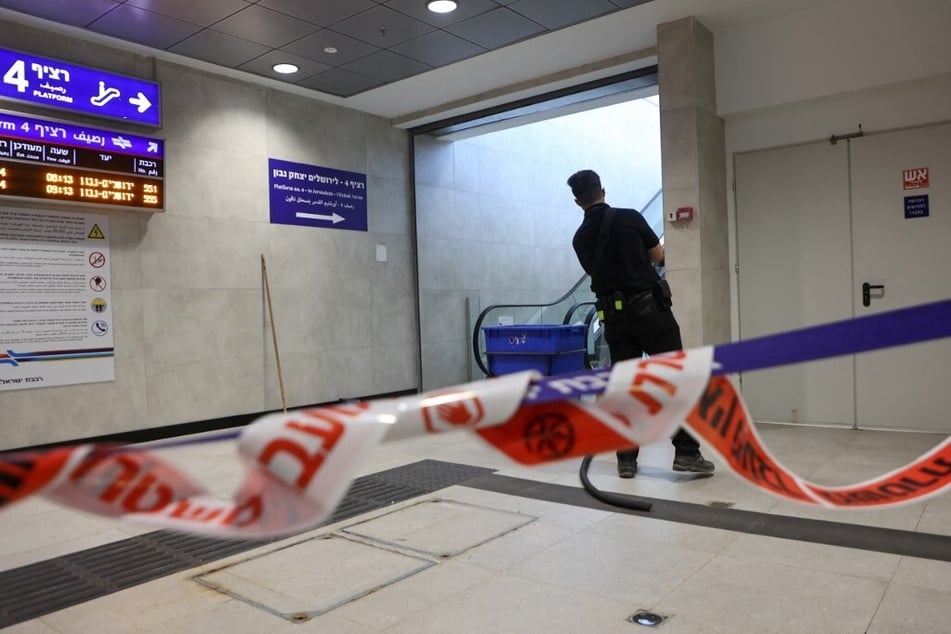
column 321, row 12
column 264, row 26
column 629, row 3
column 382, row 27
column 417, row 9
column 377, row 41
column 203, row 13
column 264, row 66
column 555, row 14
column 341, row 82
column 438, row 48
column 496, row 28
column 144, row 27
column 219, row 48
column 313, row 45
column 72, row 13
column 387, row 66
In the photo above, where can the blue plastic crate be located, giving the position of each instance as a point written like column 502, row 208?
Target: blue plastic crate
column 533, row 338
column 547, row 364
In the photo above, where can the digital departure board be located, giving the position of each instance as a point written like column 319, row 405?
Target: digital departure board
column 66, row 163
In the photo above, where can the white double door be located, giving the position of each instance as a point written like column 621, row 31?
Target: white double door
column 814, row 223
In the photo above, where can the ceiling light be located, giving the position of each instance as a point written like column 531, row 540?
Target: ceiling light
column 330, row 50
column 442, row 6
column 285, row 69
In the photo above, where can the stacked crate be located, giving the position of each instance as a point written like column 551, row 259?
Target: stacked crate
column 551, row 350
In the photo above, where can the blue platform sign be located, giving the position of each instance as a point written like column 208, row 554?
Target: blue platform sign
column 917, row 206
column 315, row 196
column 90, row 91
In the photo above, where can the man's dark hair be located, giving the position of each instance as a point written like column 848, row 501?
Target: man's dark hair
column 586, row 186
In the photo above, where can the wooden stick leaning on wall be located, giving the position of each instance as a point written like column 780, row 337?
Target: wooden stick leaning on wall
column 270, row 311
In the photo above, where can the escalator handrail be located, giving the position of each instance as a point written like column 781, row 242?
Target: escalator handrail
column 575, row 307
column 588, row 319
column 478, row 325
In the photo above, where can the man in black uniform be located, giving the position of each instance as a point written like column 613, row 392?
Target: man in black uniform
column 617, row 248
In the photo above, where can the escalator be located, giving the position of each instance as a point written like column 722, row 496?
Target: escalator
column 576, row 307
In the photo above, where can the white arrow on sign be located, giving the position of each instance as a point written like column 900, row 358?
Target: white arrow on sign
column 141, row 101
column 335, row 218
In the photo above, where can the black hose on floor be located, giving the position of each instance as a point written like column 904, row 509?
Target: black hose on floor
column 614, row 499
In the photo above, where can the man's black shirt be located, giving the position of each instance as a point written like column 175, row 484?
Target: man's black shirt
column 625, row 265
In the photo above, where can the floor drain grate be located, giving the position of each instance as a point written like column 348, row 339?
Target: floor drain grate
column 648, row 618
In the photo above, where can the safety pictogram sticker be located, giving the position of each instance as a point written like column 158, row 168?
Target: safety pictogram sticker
column 97, row 283
column 98, row 305
column 100, row 328
column 97, row 259
column 96, row 233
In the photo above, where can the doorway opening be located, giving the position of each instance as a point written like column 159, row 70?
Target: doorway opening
column 494, row 215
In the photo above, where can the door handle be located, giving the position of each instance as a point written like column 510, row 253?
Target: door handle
column 867, row 292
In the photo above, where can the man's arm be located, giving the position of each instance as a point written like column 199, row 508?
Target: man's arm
column 656, row 253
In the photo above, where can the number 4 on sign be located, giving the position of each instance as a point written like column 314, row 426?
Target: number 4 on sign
column 16, row 76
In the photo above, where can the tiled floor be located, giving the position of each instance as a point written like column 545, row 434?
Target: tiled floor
column 467, row 560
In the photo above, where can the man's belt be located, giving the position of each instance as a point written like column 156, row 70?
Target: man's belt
column 616, row 301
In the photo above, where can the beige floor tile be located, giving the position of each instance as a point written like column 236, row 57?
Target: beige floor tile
column 741, row 594
column 511, row 604
column 811, row 556
column 912, row 609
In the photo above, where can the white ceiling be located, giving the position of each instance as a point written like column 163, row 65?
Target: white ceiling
column 604, row 46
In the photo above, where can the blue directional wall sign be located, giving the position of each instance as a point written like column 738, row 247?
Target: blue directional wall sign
column 56, row 84
column 315, row 196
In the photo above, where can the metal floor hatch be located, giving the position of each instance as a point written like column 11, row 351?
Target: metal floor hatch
column 31, row 591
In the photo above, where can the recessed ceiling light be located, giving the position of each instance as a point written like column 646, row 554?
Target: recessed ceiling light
column 285, row 69
column 330, row 49
column 442, row 6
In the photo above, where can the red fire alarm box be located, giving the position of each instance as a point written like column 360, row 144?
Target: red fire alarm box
column 684, row 214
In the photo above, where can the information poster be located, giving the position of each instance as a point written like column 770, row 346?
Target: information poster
column 55, row 299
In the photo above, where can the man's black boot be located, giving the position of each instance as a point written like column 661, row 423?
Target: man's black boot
column 693, row 463
column 627, row 462
column 626, row 468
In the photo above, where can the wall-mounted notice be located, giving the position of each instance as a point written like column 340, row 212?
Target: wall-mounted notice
column 917, row 206
column 917, row 178
column 66, row 163
column 56, row 84
column 55, row 299
column 317, row 196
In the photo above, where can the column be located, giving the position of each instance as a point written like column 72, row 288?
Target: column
column 694, row 175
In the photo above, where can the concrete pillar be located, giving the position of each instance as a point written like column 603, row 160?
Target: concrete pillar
column 694, row 175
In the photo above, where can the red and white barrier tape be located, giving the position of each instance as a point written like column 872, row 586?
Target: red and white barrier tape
column 300, row 464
